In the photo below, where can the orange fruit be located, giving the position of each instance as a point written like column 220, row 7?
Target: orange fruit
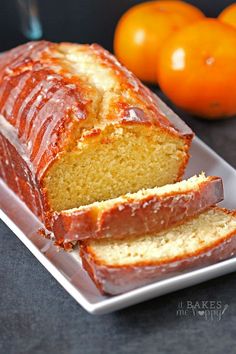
column 228, row 15
column 143, row 29
column 197, row 69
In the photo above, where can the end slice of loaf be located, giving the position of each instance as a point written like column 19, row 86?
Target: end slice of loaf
column 117, row 266
column 144, row 212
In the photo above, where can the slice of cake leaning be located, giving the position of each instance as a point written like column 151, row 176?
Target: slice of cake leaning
column 144, row 212
column 117, row 266
column 77, row 127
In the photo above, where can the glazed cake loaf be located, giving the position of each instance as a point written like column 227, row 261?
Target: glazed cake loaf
column 117, row 266
column 77, row 127
column 144, row 212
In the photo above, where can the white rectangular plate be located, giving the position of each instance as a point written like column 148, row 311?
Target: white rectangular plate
column 67, row 268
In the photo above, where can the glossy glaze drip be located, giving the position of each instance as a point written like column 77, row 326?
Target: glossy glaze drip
column 12, row 169
column 13, row 95
column 158, row 116
column 40, row 104
column 34, row 101
column 19, row 58
column 135, row 115
column 16, row 168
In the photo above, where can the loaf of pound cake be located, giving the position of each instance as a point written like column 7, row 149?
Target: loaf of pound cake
column 88, row 148
column 76, row 127
column 144, row 212
column 117, row 266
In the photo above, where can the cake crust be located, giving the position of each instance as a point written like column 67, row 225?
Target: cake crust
column 129, row 217
column 117, row 279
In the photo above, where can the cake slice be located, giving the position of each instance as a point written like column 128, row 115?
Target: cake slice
column 144, row 212
column 117, row 266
